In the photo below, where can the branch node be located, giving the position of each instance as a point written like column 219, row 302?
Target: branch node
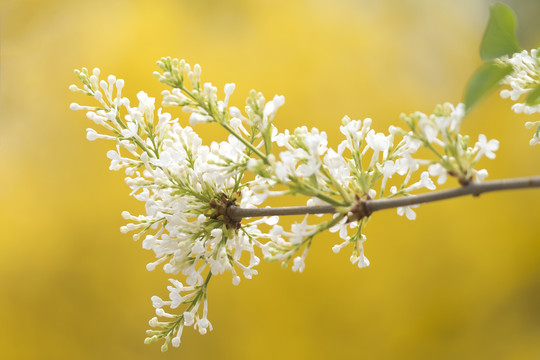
column 223, row 211
column 359, row 209
column 465, row 181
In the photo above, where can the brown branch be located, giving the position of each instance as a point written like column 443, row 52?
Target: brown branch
column 472, row 188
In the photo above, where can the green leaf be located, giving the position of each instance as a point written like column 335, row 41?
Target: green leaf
column 500, row 37
column 534, row 97
column 484, row 80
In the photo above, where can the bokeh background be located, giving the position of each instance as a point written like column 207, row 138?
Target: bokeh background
column 460, row 282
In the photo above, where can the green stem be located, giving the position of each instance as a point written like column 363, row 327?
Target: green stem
column 245, row 142
column 336, row 185
column 220, row 121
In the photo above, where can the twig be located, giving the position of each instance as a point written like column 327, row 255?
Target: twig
column 472, row 188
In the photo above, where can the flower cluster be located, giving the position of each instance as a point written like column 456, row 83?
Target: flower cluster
column 524, row 79
column 439, row 132
column 186, row 186
column 189, row 187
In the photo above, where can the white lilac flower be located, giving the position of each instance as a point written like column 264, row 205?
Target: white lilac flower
column 407, row 211
column 304, row 157
column 485, row 147
column 228, row 89
column 270, row 109
column 424, row 182
column 301, row 230
column 337, row 248
column 299, row 262
column 480, row 175
column 202, row 323
column 439, row 171
column 523, row 79
column 358, row 256
column 525, row 74
column 378, row 142
column 338, row 167
column 430, row 129
column 341, row 227
column 535, row 139
column 388, row 169
column 175, row 98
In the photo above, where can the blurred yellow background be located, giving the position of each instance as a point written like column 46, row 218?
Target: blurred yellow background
column 460, row 282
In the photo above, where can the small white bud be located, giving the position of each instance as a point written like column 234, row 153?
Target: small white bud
column 481, row 175
column 150, row 340
column 189, row 318
column 529, row 110
column 75, row 106
column 235, row 112
column 91, row 134
column 229, row 88
column 367, row 122
column 176, row 342
column 236, row 123
column 197, row 118
column 167, row 268
column 252, row 164
column 298, row 264
column 153, row 322
column 156, row 302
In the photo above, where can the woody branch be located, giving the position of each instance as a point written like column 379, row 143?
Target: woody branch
column 472, row 188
